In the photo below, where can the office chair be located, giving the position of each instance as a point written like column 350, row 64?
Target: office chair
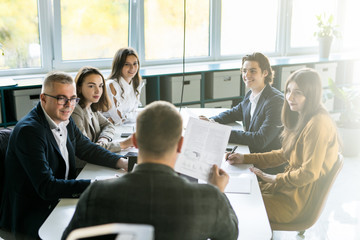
column 4, row 141
column 314, row 207
column 124, row 231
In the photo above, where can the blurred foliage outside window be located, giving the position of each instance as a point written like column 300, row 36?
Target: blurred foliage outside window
column 96, row 29
column 164, row 29
column 93, row 29
column 19, row 34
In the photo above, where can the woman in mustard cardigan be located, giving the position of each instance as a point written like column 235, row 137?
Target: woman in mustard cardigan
column 309, row 144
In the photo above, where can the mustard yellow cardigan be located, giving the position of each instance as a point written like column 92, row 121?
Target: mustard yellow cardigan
column 314, row 154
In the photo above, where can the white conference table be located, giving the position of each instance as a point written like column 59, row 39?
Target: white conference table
column 249, row 207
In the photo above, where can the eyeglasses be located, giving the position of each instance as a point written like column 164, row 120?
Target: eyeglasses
column 61, row 100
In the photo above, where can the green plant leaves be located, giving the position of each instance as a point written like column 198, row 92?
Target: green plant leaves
column 350, row 97
column 326, row 26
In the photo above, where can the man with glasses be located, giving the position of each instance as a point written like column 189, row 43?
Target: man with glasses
column 40, row 161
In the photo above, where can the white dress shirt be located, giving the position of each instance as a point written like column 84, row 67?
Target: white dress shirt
column 60, row 135
column 254, row 99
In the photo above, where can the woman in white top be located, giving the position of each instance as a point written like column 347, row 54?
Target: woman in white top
column 93, row 98
column 124, row 86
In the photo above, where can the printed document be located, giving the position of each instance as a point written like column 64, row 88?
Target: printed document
column 240, row 177
column 204, row 145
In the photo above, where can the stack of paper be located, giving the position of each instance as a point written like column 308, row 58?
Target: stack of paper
column 204, row 145
column 239, row 184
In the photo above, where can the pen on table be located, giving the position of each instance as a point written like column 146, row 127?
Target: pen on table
column 232, row 151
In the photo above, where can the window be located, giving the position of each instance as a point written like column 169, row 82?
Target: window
column 164, row 29
column 351, row 33
column 248, row 26
column 303, row 22
column 92, row 29
column 19, row 34
column 72, row 34
column 356, row 73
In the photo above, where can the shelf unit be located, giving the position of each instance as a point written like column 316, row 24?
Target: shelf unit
column 5, row 103
column 154, row 76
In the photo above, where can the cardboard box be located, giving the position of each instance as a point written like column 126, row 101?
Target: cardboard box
column 25, row 100
column 286, row 72
column 326, row 71
column 221, row 104
column 171, row 86
column 222, row 84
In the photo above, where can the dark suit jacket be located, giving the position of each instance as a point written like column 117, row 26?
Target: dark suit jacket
column 154, row 194
column 261, row 134
column 35, row 172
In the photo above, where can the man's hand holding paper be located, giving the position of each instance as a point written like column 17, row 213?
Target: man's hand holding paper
column 219, row 178
column 204, row 145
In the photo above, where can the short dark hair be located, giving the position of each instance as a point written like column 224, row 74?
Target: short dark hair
column 158, row 128
column 264, row 64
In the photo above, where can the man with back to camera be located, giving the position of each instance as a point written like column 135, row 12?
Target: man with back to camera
column 40, row 161
column 154, row 194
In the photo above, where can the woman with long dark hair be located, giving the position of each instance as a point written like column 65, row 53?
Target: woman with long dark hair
column 124, row 86
column 309, row 144
column 90, row 88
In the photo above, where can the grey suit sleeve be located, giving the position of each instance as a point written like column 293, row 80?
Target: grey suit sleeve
column 91, row 152
column 107, row 128
column 107, row 131
column 78, row 118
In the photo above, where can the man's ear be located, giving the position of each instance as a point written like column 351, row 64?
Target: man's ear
column 42, row 98
column 179, row 145
column 133, row 140
column 265, row 73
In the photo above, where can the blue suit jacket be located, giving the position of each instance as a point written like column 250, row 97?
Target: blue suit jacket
column 262, row 133
column 35, row 172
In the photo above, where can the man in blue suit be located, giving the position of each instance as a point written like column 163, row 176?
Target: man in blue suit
column 40, row 161
column 260, row 110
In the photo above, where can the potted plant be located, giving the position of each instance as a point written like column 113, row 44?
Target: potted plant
column 327, row 30
column 349, row 119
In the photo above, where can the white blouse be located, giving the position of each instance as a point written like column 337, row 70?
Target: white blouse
column 124, row 110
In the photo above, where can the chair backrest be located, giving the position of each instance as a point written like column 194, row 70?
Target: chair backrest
column 123, row 231
column 314, row 207
column 4, row 141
